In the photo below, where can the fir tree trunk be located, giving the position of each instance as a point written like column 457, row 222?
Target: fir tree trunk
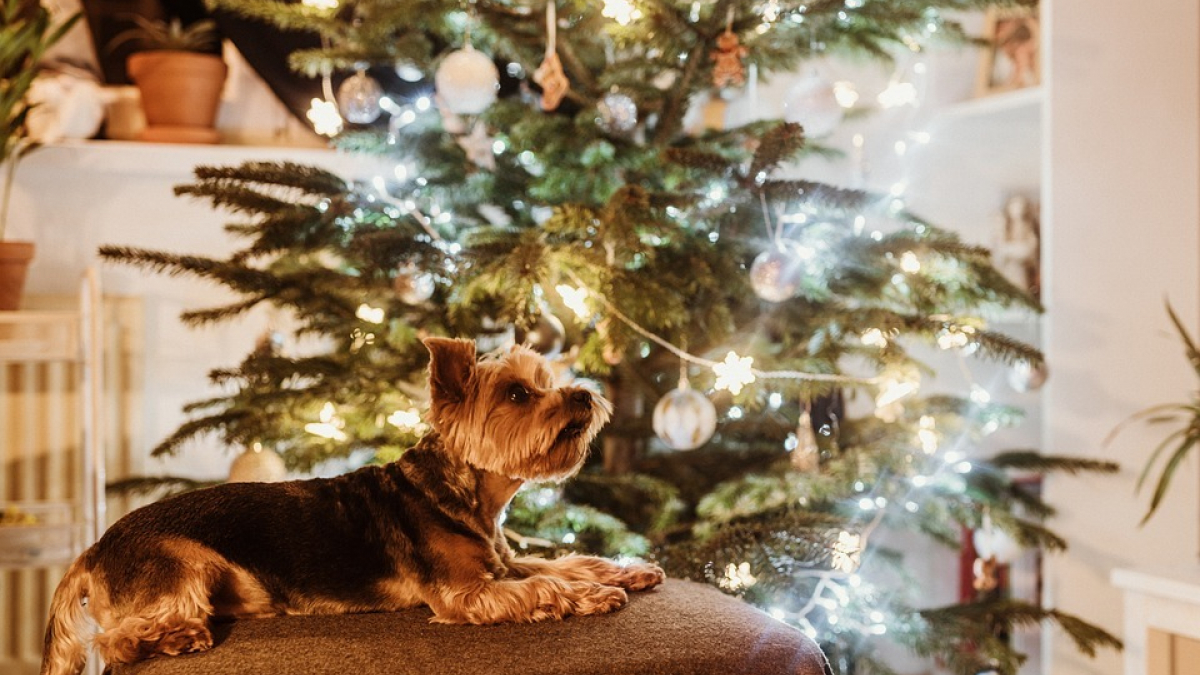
column 622, row 448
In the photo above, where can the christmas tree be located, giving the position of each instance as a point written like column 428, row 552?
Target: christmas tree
column 734, row 315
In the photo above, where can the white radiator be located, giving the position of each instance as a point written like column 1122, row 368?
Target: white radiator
column 41, row 433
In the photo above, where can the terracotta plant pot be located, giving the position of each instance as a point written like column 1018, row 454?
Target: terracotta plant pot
column 15, row 257
column 181, row 92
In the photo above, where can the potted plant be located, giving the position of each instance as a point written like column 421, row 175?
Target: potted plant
column 25, row 35
column 1184, row 417
column 179, row 76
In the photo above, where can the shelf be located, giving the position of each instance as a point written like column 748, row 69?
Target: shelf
column 178, row 159
column 1016, row 103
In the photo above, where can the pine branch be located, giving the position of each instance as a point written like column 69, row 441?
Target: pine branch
column 1032, row 460
column 157, row 487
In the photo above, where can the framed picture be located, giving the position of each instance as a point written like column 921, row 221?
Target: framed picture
column 1011, row 59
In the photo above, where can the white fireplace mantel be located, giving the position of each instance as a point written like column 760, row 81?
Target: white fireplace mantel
column 1162, row 600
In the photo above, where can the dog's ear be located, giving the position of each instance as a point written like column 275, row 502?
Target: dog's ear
column 451, row 367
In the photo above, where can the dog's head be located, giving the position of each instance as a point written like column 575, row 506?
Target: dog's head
column 504, row 414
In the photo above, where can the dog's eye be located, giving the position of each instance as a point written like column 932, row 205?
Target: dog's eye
column 518, row 394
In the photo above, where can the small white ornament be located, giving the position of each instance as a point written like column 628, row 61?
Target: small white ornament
column 685, row 419
column 617, row 113
column 812, row 103
column 478, row 146
column 776, row 273
column 358, row 98
column 992, row 542
column 467, row 81
column 257, row 465
column 1024, row 377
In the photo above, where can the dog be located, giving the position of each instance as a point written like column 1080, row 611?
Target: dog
column 423, row 530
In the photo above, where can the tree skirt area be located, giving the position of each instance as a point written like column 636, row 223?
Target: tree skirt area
column 680, row 628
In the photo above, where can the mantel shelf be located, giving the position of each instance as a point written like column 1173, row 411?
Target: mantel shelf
column 1019, row 102
column 178, row 160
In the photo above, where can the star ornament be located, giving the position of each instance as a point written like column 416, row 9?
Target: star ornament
column 734, row 373
column 847, row 552
column 478, row 146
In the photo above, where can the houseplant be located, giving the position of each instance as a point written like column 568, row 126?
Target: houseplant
column 26, row 32
column 179, row 76
column 1183, row 416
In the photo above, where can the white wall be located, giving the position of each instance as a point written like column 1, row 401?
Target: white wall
column 1123, row 170
column 72, row 198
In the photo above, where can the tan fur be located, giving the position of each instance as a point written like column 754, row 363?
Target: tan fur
column 154, row 582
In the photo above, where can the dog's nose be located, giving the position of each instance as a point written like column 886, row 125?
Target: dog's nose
column 581, row 397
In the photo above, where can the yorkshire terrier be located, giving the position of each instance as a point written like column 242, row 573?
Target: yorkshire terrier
column 424, row 529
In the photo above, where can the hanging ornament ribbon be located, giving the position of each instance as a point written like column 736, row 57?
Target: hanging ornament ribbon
column 727, row 57
column 550, row 76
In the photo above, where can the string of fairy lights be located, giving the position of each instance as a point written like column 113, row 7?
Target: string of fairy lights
column 467, row 82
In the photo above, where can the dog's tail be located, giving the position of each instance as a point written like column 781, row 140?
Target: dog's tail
column 65, row 650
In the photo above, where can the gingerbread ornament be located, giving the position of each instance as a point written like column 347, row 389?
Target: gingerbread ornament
column 728, row 68
column 549, row 75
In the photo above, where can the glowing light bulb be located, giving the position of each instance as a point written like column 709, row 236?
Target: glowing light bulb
column 330, row 424
column 576, row 300
column 845, row 94
column 621, row 11
column 369, row 314
column 734, row 373
column 927, row 435
column 980, row 395
column 325, row 118
column 898, row 94
column 406, row 419
column 874, row 337
column 737, row 577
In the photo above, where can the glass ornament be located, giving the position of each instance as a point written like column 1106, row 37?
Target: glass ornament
column 546, row 336
column 1024, row 377
column 257, row 465
column 466, row 81
column 617, row 113
column 358, row 98
column 685, row 419
column 812, row 103
column 777, row 272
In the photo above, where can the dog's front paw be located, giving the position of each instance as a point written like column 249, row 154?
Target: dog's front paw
column 639, row 576
column 600, row 599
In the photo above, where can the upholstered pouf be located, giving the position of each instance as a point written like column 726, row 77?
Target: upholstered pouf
column 680, row 628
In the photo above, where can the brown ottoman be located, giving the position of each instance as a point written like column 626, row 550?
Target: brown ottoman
column 680, row 628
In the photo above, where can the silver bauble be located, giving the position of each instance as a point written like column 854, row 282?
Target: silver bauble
column 257, row 465
column 811, row 103
column 685, row 419
column 777, row 272
column 546, row 336
column 358, row 98
column 1024, row 377
column 466, row 81
column 617, row 113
